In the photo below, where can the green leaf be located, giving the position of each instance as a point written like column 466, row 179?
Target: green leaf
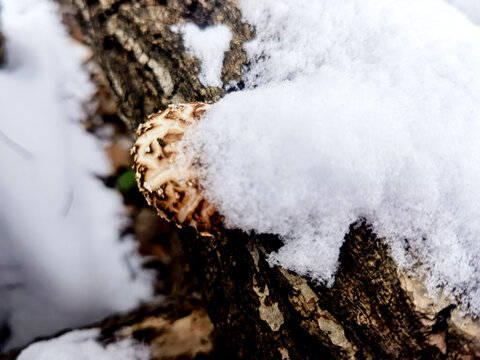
column 126, row 181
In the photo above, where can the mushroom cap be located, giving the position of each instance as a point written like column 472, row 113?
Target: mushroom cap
column 164, row 173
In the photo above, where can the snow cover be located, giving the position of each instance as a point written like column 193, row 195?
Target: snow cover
column 82, row 345
column 361, row 108
column 62, row 262
column 471, row 8
column 208, row 45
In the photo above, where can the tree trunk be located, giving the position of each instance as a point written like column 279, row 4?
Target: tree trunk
column 373, row 310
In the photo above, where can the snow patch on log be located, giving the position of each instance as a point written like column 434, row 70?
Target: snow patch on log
column 209, row 46
column 83, row 345
column 360, row 109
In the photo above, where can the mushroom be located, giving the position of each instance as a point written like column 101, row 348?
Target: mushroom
column 164, row 173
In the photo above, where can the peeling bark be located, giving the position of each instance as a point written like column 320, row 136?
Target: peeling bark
column 373, row 310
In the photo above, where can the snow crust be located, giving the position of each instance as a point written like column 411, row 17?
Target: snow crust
column 62, row 262
column 82, row 345
column 209, row 46
column 361, row 108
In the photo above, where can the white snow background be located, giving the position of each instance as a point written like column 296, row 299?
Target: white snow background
column 62, row 262
column 359, row 108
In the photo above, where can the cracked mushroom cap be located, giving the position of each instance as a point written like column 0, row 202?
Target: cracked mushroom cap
column 165, row 176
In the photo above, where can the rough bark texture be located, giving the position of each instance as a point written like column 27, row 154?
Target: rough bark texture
column 373, row 311
column 145, row 61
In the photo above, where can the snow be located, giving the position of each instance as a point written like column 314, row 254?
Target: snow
column 471, row 8
column 361, row 108
column 62, row 262
column 82, row 345
column 208, row 45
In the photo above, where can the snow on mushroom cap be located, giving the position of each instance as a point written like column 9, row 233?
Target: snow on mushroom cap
column 165, row 176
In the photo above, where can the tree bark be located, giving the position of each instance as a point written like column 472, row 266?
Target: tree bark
column 145, row 61
column 373, row 310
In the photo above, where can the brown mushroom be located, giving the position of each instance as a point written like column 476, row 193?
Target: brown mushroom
column 165, row 175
